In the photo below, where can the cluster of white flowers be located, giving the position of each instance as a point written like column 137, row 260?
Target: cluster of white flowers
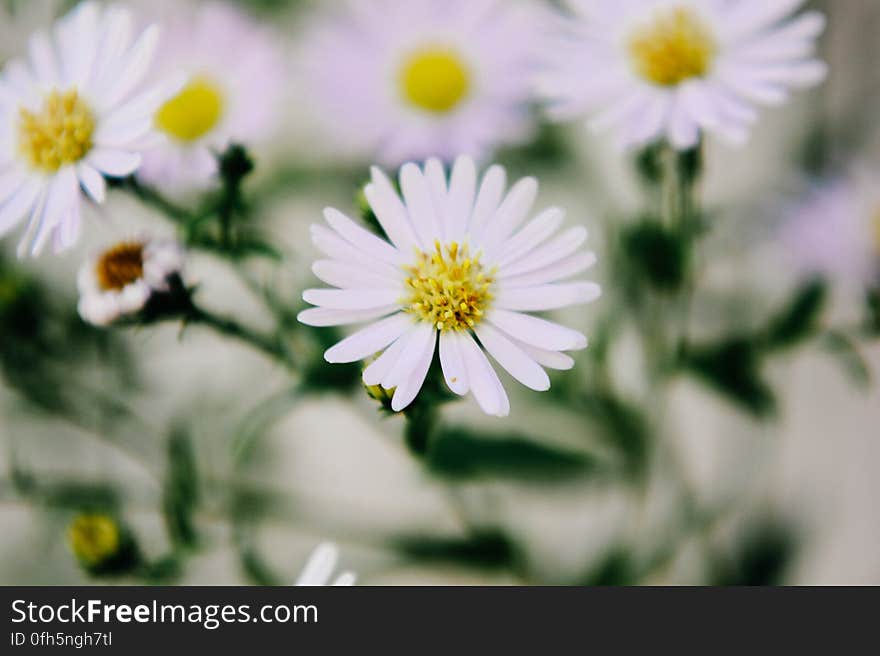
column 406, row 81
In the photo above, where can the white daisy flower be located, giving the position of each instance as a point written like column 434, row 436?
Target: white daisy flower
column 404, row 80
column 71, row 113
column 320, row 567
column 460, row 264
column 834, row 230
column 673, row 69
column 118, row 282
column 235, row 81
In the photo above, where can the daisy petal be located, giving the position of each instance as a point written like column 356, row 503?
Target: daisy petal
column 483, row 380
column 536, row 331
column 548, row 297
column 452, row 362
column 513, row 359
column 369, row 340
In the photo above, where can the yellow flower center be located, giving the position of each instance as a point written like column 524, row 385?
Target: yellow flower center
column 448, row 287
column 434, row 79
column 120, row 266
column 676, row 45
column 60, row 133
column 193, row 112
column 94, row 538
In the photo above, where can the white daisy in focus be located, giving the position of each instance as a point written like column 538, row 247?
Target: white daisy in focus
column 119, row 282
column 834, row 231
column 673, row 69
column 235, row 81
column 320, row 567
column 401, row 80
column 462, row 263
column 70, row 114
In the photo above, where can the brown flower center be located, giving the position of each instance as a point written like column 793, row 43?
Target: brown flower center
column 120, row 266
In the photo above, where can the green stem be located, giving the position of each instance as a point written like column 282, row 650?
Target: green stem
column 152, row 198
column 269, row 345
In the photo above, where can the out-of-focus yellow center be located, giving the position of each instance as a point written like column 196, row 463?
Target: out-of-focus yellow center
column 120, row 266
column 875, row 224
column 94, row 538
column 448, row 287
column 672, row 47
column 434, row 79
column 193, row 112
column 60, row 133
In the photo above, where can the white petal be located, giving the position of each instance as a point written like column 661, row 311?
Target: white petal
column 115, row 163
column 92, row 181
column 349, row 276
column 351, row 299
column 512, row 212
column 452, row 362
column 360, row 238
column 61, row 195
column 411, row 384
column 331, row 244
column 19, row 205
column 419, row 204
column 513, row 359
column 557, row 249
column 417, row 341
column 535, row 233
column 536, row 331
column 548, row 297
column 322, row 317
column 369, row 340
column 379, row 368
column 483, row 380
column 488, row 199
column 137, row 63
column 462, row 189
column 548, row 359
column 390, row 211
column 319, row 566
column 561, row 270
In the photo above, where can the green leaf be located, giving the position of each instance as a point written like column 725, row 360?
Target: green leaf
column 624, row 427
column 180, row 495
column 615, row 568
column 799, row 319
column 486, row 549
column 733, row 368
column 762, row 556
column 464, row 454
column 872, row 304
column 846, row 351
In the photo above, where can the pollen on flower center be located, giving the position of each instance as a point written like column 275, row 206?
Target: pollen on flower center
column 448, row 287
column 193, row 112
column 60, row 133
column 674, row 46
column 434, row 79
column 120, row 266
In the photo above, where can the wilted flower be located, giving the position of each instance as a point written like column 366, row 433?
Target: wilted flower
column 71, row 113
column 835, row 230
column 320, row 567
column 122, row 279
column 655, row 69
column 235, row 79
column 410, row 79
column 458, row 265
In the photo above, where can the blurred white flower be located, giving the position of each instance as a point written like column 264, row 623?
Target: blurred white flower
column 235, row 82
column 834, row 230
column 320, row 567
column 71, row 113
column 400, row 80
column 459, row 264
column 119, row 281
column 655, row 69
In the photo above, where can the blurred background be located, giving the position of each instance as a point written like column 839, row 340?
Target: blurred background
column 753, row 465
